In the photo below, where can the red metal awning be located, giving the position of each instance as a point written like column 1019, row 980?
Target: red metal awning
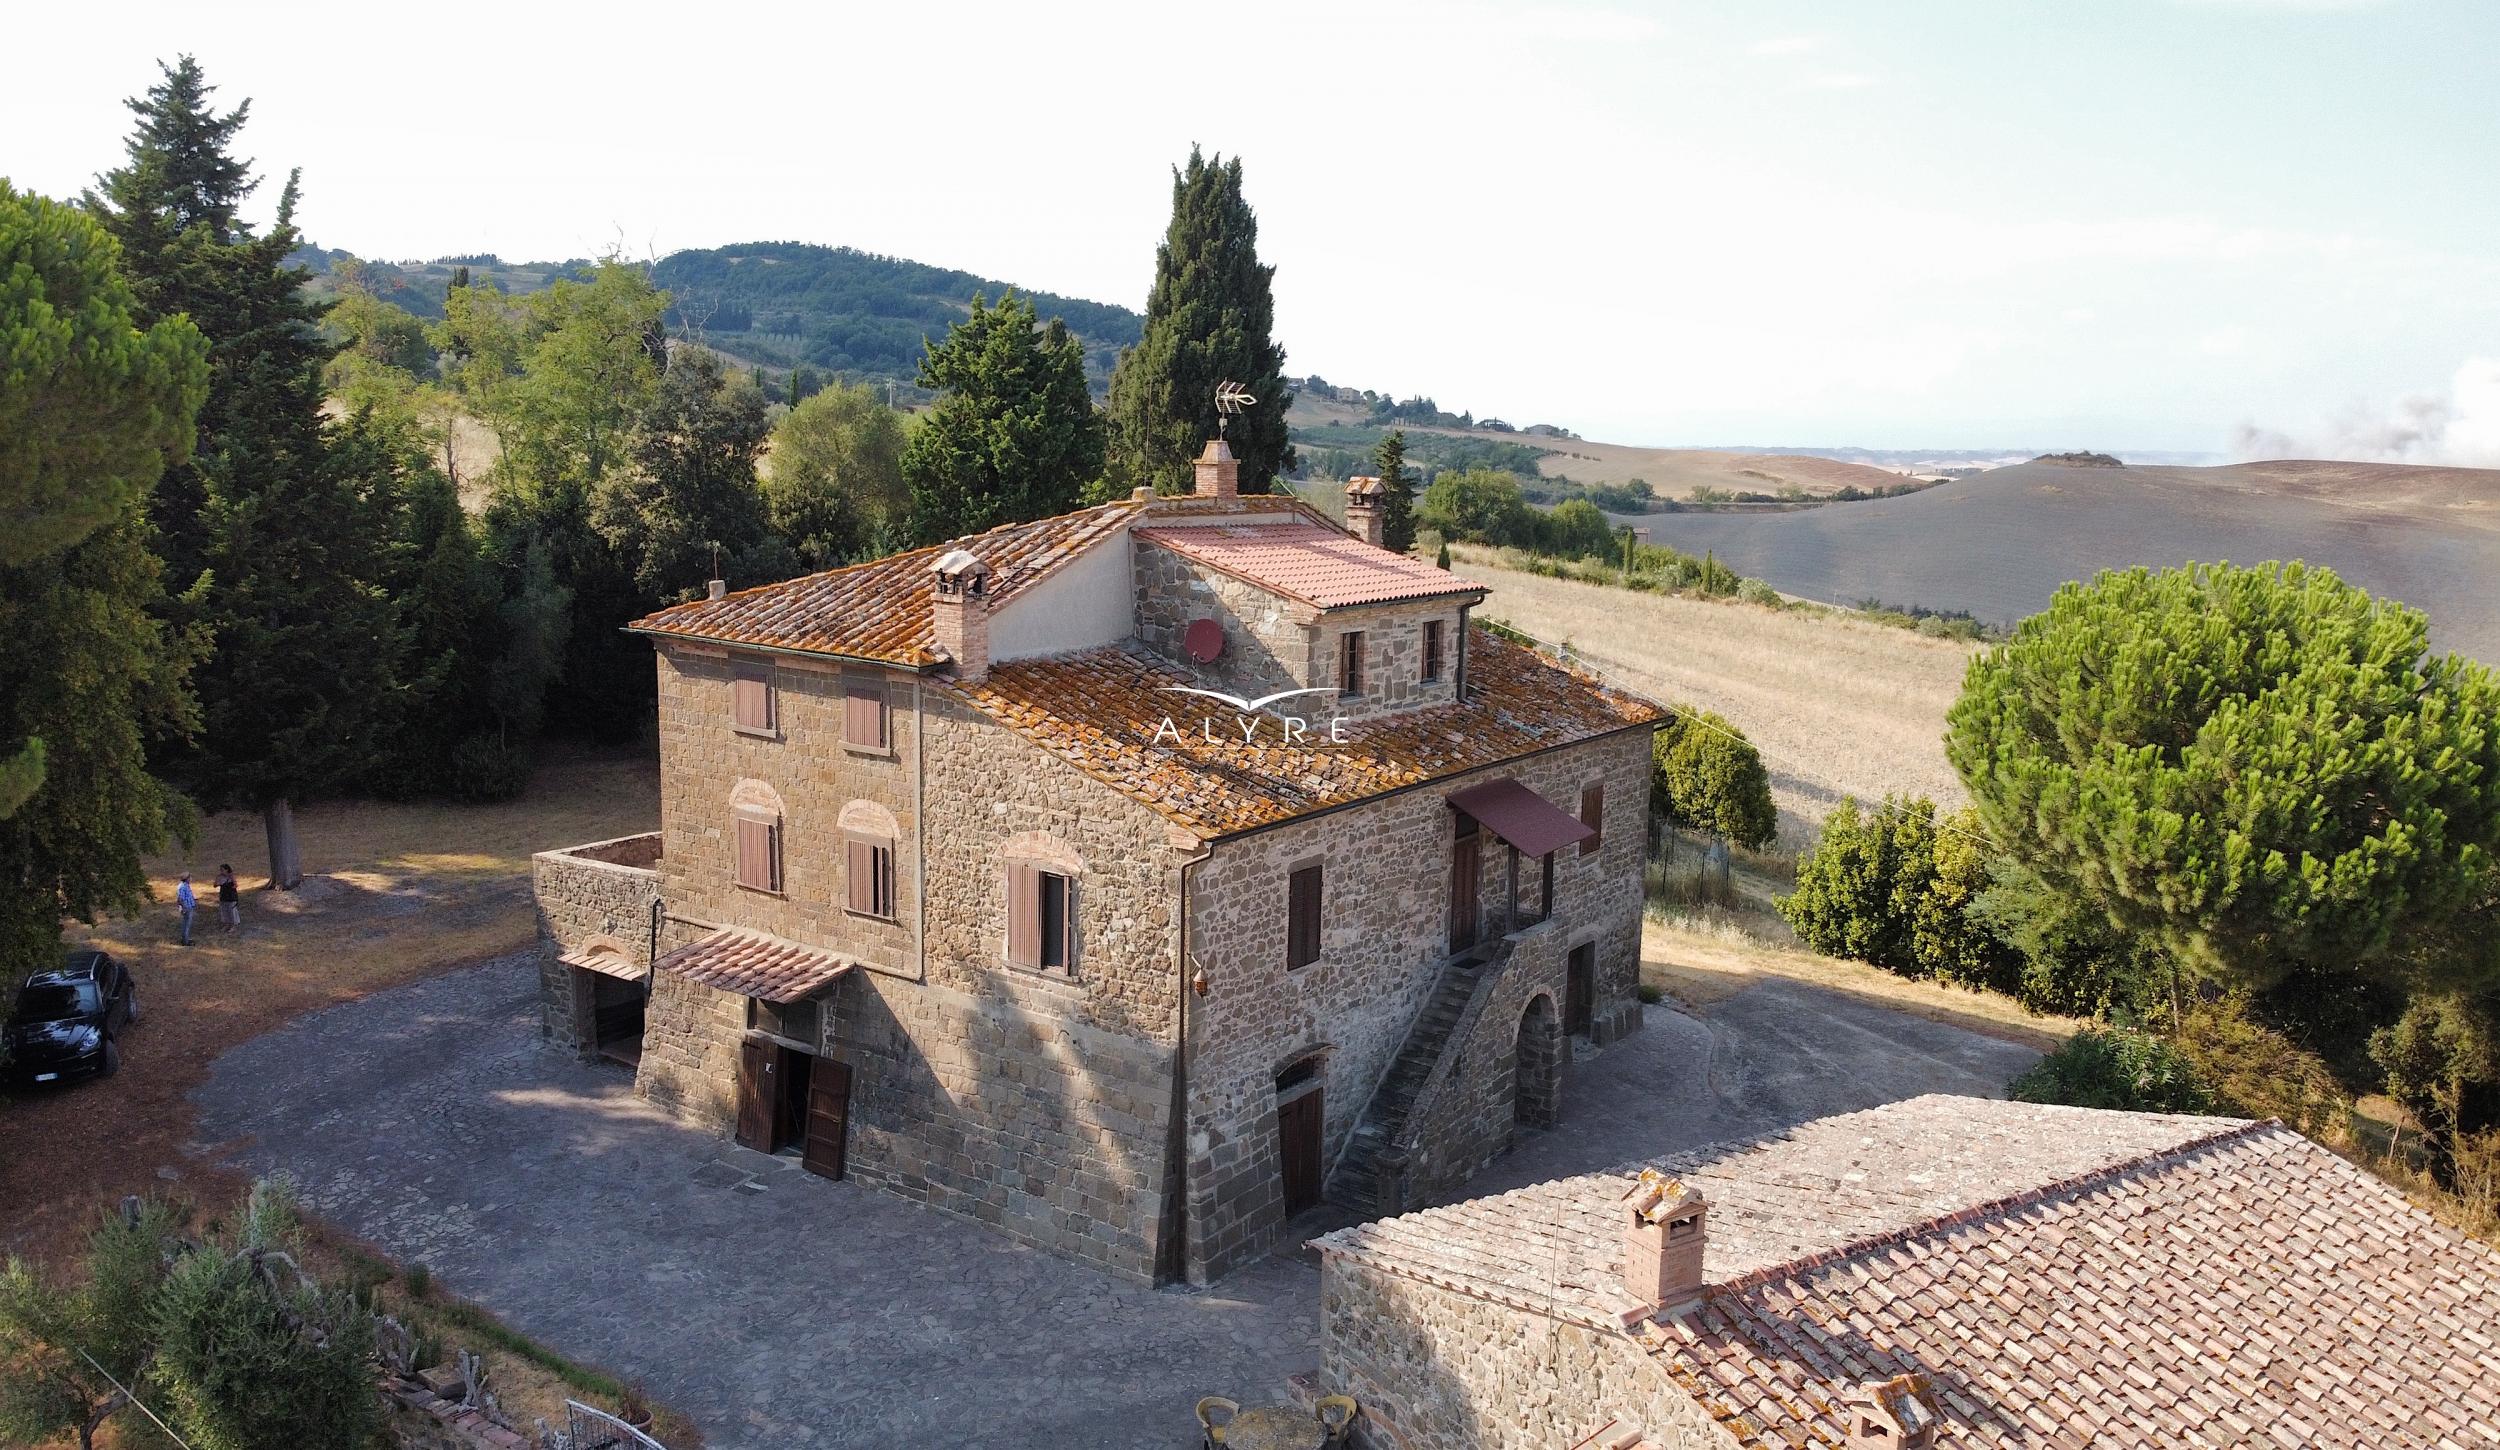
column 754, row 965
column 1521, row 817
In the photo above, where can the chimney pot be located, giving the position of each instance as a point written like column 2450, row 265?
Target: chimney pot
column 1143, row 493
column 719, row 589
column 959, row 613
column 1219, row 472
column 1365, row 518
column 1894, row 1414
column 1663, row 1235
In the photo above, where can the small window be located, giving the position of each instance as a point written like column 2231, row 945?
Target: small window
column 1432, row 651
column 1041, row 918
column 759, row 852
column 795, row 1021
column 751, row 699
column 1350, row 663
column 1593, row 816
column 868, row 868
column 1545, row 892
column 864, row 713
column 1302, row 907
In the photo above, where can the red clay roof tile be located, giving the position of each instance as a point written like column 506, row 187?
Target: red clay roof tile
column 1317, row 563
column 754, row 965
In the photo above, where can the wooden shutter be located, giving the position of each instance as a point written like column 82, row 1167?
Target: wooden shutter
column 1432, row 650
column 883, row 859
column 1302, row 904
column 1593, row 816
column 1024, row 915
column 751, row 698
column 757, row 849
column 864, row 714
column 859, row 871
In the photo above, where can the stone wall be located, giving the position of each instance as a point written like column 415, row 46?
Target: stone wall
column 1268, row 639
column 1393, row 656
column 1468, row 1114
column 1434, row 1369
column 1384, row 935
column 598, row 894
column 690, row 1037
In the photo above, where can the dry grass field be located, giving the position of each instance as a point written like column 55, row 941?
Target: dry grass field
column 1837, row 706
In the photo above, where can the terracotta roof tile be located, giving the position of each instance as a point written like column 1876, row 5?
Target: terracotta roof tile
column 2151, row 1281
column 1317, row 563
column 754, row 965
column 880, row 610
column 1100, row 711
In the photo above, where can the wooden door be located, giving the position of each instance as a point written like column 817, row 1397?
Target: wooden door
column 828, row 1116
column 756, row 1095
column 1466, row 880
column 1298, row 1124
column 1580, row 989
column 790, row 1077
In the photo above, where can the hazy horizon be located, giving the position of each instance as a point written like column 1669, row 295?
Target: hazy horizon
column 2218, row 226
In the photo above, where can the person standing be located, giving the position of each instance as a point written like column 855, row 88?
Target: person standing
column 229, row 899
column 186, row 903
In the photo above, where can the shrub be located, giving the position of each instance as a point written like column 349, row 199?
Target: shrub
column 419, row 1279
column 1755, row 591
column 1705, row 774
column 1576, row 529
column 1947, row 939
column 2257, row 1072
column 2441, row 1059
column 1650, row 995
column 1843, row 904
column 2071, row 961
column 2115, row 1067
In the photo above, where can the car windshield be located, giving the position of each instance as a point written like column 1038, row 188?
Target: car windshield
column 51, row 1001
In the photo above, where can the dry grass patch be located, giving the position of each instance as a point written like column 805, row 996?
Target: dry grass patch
column 397, row 892
column 1837, row 706
column 1713, row 957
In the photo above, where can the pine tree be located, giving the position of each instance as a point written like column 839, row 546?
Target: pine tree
column 692, row 497
column 273, row 536
column 1014, row 435
column 1397, row 493
column 1209, row 320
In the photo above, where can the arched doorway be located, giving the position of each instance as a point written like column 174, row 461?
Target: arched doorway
column 1536, row 1091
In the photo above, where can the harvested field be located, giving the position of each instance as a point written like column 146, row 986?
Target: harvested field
column 1837, row 706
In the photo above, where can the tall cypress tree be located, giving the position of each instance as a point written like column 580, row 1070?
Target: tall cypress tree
column 1397, row 493
column 274, row 537
column 1208, row 321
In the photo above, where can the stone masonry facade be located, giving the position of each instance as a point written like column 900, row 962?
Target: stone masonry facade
column 1437, row 1370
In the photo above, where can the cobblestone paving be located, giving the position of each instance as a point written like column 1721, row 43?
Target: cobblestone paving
column 781, row 1310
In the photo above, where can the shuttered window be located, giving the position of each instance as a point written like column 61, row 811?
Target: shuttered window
column 759, row 852
column 1432, row 651
column 868, row 872
column 1593, row 816
column 863, row 713
column 1350, row 663
column 1302, row 906
column 751, row 698
column 1041, row 917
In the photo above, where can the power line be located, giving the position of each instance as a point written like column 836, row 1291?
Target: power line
column 133, row 1398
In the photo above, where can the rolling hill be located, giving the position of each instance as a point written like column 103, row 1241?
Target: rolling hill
column 1999, row 544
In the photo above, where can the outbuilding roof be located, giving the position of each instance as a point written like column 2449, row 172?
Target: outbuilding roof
column 2059, row 1275
column 754, row 965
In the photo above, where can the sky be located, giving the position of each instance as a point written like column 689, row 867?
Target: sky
column 2264, row 227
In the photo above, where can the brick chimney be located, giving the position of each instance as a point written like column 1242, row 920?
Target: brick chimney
column 959, row 613
column 1219, row 472
column 1364, row 516
column 1893, row 1414
column 1662, row 1241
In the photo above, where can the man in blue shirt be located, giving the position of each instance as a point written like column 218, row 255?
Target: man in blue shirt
column 187, row 903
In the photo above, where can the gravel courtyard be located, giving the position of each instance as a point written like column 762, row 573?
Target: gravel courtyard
column 779, row 1309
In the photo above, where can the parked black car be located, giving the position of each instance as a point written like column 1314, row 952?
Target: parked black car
column 68, row 1022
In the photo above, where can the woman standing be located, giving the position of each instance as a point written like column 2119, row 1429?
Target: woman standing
column 229, row 899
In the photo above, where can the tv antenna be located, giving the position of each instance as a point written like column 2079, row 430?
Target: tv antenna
column 1230, row 399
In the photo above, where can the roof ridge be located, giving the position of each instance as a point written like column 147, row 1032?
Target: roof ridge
column 2233, row 1129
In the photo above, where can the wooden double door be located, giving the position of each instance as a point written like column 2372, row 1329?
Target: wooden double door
column 788, row 1097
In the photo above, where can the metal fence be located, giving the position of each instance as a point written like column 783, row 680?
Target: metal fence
column 589, row 1429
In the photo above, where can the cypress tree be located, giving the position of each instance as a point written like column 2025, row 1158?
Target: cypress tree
column 1209, row 320
column 1397, row 493
column 274, row 537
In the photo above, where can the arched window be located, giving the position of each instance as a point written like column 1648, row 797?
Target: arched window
column 1041, row 874
column 869, row 832
column 755, row 824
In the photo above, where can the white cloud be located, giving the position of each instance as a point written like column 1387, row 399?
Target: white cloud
column 2460, row 428
column 1787, row 45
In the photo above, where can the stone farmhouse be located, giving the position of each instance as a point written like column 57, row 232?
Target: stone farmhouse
column 959, row 889
column 1938, row 1272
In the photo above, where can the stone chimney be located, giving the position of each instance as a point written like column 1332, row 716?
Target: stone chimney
column 1893, row 1414
column 1364, row 516
column 1662, row 1241
column 719, row 590
column 959, row 613
column 1219, row 472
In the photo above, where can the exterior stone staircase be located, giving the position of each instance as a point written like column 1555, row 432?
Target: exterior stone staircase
column 1370, row 1174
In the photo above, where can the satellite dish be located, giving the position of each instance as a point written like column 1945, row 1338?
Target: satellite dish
column 1204, row 640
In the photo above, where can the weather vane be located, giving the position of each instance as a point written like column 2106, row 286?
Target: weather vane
column 1230, row 399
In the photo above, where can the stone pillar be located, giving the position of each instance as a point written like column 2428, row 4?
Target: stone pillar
column 1364, row 516
column 1219, row 472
